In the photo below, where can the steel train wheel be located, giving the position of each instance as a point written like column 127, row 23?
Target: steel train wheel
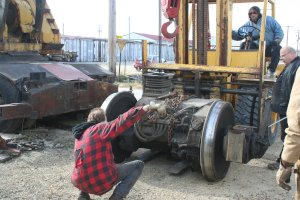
column 114, row 105
column 214, row 167
column 9, row 93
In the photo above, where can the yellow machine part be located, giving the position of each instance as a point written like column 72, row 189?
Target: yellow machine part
column 50, row 31
column 26, row 15
column 21, row 20
column 238, row 58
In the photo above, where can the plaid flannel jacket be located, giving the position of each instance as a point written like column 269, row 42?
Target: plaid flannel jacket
column 95, row 171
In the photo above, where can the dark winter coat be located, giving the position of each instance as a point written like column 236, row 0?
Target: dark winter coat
column 283, row 87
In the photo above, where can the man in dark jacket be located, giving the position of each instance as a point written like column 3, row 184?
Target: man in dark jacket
column 282, row 90
column 95, row 171
column 273, row 36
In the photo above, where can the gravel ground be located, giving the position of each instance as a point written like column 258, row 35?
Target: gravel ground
column 46, row 174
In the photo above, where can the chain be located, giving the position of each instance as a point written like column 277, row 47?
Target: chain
column 173, row 102
column 170, row 129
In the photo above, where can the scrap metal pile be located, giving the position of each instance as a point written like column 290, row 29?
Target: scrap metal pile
column 12, row 145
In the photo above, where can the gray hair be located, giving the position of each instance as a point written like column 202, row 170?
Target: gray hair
column 290, row 50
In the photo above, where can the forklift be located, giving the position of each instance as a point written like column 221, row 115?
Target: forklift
column 217, row 99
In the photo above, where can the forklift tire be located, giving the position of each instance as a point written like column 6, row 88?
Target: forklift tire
column 9, row 93
column 246, row 112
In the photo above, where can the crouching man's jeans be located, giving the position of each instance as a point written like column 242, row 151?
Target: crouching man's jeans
column 128, row 175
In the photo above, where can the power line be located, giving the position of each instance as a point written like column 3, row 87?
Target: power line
column 298, row 38
column 287, row 34
column 99, row 31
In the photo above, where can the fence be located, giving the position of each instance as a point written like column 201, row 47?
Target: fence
column 96, row 50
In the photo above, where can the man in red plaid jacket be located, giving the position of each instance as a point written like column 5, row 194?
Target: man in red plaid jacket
column 95, row 171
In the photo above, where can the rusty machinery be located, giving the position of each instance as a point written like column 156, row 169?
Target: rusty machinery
column 218, row 100
column 31, row 86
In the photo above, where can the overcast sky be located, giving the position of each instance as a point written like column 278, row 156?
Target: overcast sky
column 86, row 18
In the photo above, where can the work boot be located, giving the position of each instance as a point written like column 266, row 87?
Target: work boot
column 274, row 166
column 84, row 196
column 115, row 197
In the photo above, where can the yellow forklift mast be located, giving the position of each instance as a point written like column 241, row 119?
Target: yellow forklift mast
column 193, row 36
column 196, row 59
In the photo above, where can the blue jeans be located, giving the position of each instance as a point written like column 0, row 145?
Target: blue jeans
column 128, row 175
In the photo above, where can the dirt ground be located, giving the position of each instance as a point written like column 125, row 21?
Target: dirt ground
column 46, row 174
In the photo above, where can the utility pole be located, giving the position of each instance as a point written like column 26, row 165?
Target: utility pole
column 112, row 37
column 99, row 44
column 298, row 38
column 129, row 28
column 129, row 49
column 287, row 35
column 159, row 30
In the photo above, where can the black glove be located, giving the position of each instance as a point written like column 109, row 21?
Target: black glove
column 275, row 42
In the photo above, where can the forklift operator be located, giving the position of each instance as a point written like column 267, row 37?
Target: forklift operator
column 273, row 36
